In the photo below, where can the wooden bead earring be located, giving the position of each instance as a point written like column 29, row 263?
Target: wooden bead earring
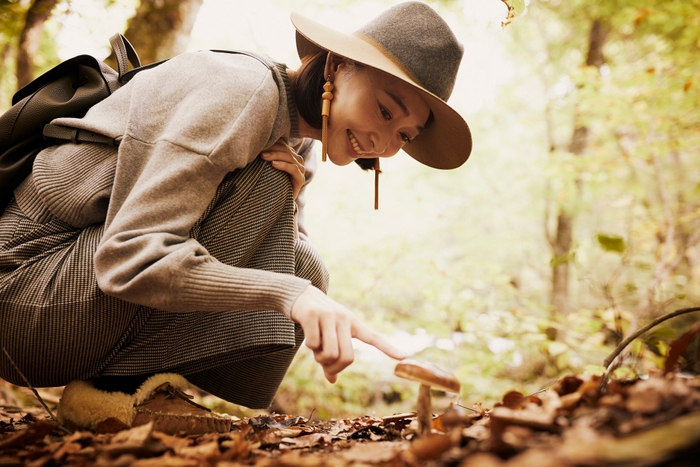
column 377, row 171
column 327, row 97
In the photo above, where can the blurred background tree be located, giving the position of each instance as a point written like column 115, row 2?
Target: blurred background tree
column 574, row 222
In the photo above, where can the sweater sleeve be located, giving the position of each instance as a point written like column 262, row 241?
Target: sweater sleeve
column 181, row 139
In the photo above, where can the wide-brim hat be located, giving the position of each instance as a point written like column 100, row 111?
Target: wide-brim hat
column 413, row 43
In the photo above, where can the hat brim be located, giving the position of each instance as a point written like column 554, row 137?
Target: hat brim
column 446, row 144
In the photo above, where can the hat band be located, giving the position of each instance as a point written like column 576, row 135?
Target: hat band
column 389, row 56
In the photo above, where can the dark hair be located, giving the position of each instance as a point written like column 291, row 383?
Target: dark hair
column 307, row 87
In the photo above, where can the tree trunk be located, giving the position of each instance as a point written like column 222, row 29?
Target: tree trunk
column 161, row 28
column 30, row 38
column 561, row 245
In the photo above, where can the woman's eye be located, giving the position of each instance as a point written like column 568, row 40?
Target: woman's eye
column 405, row 138
column 385, row 113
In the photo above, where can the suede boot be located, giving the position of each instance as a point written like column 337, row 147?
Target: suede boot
column 159, row 399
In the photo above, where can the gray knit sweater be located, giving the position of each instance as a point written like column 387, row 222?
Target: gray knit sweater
column 183, row 126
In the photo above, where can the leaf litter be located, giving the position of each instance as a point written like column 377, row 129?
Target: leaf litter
column 578, row 421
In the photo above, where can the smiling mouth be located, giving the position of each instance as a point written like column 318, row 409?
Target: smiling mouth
column 355, row 144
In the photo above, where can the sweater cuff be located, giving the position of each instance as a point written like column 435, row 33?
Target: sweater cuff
column 214, row 286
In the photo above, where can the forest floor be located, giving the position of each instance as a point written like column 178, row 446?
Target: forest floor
column 578, row 421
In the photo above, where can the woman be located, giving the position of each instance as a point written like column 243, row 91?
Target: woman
column 181, row 256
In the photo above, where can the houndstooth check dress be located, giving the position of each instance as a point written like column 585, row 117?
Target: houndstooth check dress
column 58, row 325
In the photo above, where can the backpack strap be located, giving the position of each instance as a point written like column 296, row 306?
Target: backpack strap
column 125, row 54
column 75, row 135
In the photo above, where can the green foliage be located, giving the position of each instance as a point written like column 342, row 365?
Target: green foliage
column 613, row 243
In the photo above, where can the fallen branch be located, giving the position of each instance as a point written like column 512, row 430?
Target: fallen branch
column 36, row 393
column 608, row 361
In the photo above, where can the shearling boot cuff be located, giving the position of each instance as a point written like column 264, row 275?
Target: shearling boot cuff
column 83, row 406
column 160, row 399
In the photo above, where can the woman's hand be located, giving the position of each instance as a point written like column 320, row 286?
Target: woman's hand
column 285, row 159
column 329, row 328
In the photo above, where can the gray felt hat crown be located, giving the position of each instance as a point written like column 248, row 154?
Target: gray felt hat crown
column 413, row 43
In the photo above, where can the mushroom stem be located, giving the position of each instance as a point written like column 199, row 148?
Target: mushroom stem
column 425, row 413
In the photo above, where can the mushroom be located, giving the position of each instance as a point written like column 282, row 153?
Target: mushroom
column 429, row 376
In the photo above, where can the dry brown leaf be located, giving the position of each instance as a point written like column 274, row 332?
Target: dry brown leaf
column 517, row 437
column 165, row 461
column 173, row 442
column 430, row 446
column 646, row 397
column 570, row 401
column 136, row 436
column 29, row 435
column 397, row 417
column 536, row 420
column 373, row 453
column 297, row 459
column 478, row 431
column 66, row 449
column 306, row 441
column 513, row 400
column 208, row 450
column 534, row 457
column 482, row 459
column 612, row 400
column 678, row 346
column 136, row 441
column 567, row 385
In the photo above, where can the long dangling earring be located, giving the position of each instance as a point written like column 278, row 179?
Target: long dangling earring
column 327, row 97
column 377, row 171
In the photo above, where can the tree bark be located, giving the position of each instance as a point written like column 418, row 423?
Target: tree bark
column 161, row 28
column 30, row 39
column 561, row 245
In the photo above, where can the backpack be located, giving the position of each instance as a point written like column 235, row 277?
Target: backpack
column 67, row 90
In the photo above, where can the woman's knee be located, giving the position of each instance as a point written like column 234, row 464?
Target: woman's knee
column 310, row 265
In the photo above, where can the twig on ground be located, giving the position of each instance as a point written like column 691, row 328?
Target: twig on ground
column 36, row 393
column 465, row 407
column 540, row 391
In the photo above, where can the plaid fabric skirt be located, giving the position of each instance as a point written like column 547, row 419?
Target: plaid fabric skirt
column 58, row 326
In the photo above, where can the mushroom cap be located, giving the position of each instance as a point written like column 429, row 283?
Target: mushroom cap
column 428, row 374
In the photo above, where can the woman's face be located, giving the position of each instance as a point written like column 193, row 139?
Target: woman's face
column 372, row 114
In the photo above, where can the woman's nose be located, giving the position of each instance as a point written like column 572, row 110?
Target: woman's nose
column 380, row 143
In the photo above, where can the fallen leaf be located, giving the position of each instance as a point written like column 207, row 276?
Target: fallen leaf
column 538, row 421
column 29, row 435
column 208, row 450
column 398, row 417
column 306, row 441
column 513, row 400
column 136, row 441
column 297, row 459
column 173, row 442
column 646, row 397
column 165, row 461
column 373, row 453
column 66, row 449
column 482, row 459
column 534, row 457
column 678, row 346
column 430, row 446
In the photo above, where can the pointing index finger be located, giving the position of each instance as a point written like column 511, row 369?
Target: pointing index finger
column 368, row 336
